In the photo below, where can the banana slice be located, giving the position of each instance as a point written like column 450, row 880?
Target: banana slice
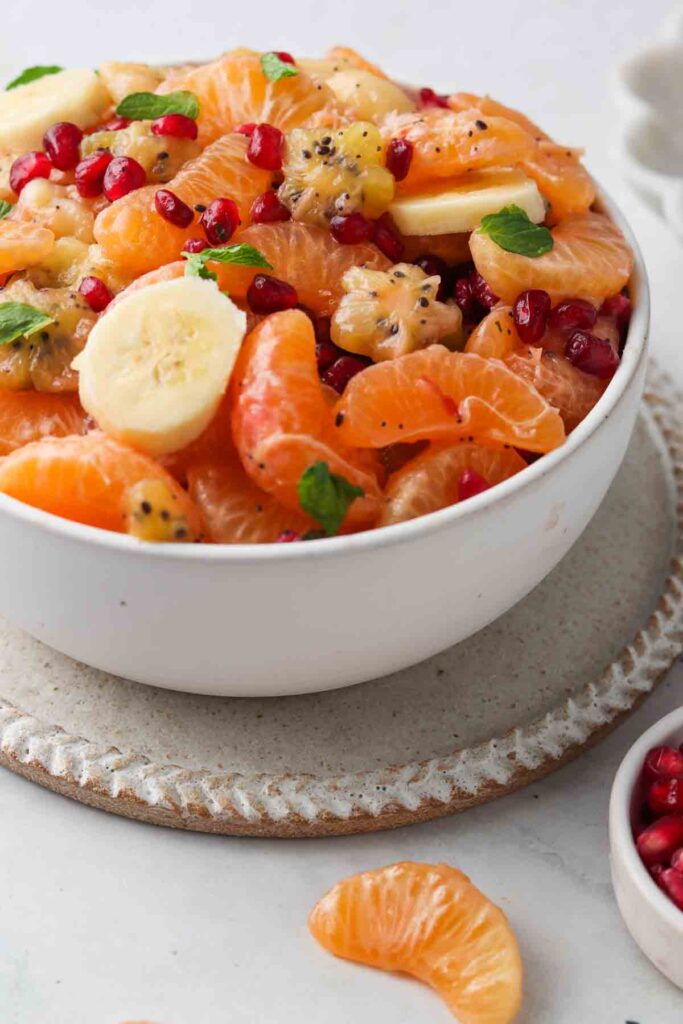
column 461, row 206
column 157, row 364
column 27, row 112
column 370, row 97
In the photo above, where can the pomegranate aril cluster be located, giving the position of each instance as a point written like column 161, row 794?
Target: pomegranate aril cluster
column 660, row 840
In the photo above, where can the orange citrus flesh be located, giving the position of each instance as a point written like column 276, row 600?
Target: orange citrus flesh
column 429, row 482
column 427, row 920
column 460, row 101
column 496, row 335
column 590, row 258
column 23, row 244
column 27, row 416
column 85, row 479
column 352, row 57
column 447, row 144
column 137, row 239
column 233, row 90
column 281, row 421
column 437, row 395
column 453, row 248
column 570, row 391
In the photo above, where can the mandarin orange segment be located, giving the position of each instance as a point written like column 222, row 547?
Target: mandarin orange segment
column 590, row 258
column 27, row 416
column 282, row 422
column 429, row 482
column 134, row 237
column 427, row 920
column 87, row 479
column 562, row 179
column 572, row 392
column 460, row 101
column 447, row 143
column 233, row 90
column 439, row 395
column 495, row 336
column 23, row 245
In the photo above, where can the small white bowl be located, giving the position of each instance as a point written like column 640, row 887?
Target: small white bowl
column 653, row 920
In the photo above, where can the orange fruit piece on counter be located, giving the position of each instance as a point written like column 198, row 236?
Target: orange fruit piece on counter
column 137, row 239
column 437, row 395
column 27, row 416
column 590, row 257
column 282, row 422
column 23, row 245
column 430, row 481
column 429, row 921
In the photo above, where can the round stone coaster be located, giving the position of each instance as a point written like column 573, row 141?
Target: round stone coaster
column 489, row 715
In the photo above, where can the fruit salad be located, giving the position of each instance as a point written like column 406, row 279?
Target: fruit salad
column 659, row 833
column 268, row 299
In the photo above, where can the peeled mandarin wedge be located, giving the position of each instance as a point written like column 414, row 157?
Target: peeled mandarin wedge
column 495, row 336
column 460, row 101
column 572, row 392
column 88, row 480
column 27, row 416
column 234, row 90
column 427, row 920
column 281, row 421
column 562, row 179
column 439, row 395
column 590, row 257
column 430, row 481
column 23, row 245
column 136, row 239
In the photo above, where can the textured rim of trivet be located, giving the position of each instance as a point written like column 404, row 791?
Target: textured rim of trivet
column 303, row 805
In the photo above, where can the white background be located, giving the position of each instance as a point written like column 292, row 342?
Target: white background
column 103, row 920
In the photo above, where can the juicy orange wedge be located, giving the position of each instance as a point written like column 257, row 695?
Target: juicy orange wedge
column 27, row 416
column 22, row 245
column 427, row 920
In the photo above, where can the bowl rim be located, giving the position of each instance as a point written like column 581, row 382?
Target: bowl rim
column 622, row 843
column 383, row 536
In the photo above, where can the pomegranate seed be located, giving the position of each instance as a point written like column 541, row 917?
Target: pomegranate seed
column 173, row 209
column 62, row 143
column 90, row 173
column 27, row 167
column 287, row 536
column 470, row 484
column 677, row 860
column 341, row 371
column 285, row 57
column 530, row 313
column 465, row 298
column 434, row 266
column 246, row 129
column 573, row 315
column 656, row 871
column 659, row 841
column 399, row 157
column 123, row 175
column 592, row 355
column 351, row 229
column 267, row 294
column 671, row 881
column 429, row 98
column 663, row 763
column 195, row 245
column 619, row 306
column 178, row 126
column 388, row 242
column 666, row 796
column 326, row 352
column 267, row 209
column 95, row 293
column 220, row 220
column 265, row 147
column 116, row 124
column 482, row 292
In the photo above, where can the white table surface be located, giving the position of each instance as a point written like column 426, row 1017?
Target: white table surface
column 103, row 920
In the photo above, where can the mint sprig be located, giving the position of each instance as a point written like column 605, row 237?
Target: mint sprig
column 513, row 231
column 4, row 208
column 146, row 106
column 18, row 320
column 326, row 497
column 33, row 74
column 241, row 255
column 274, row 68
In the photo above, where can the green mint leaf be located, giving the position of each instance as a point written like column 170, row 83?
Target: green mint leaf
column 274, row 69
column 17, row 320
column 242, row 255
column 512, row 230
column 195, row 267
column 326, row 497
column 33, row 74
column 146, row 106
column 4, row 208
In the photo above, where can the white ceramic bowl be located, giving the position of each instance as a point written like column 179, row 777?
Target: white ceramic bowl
column 261, row 620
column 653, row 920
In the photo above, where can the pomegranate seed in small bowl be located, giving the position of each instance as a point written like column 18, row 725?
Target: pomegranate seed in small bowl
column 646, row 844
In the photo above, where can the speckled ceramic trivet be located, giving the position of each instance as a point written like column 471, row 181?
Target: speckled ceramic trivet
column 503, row 708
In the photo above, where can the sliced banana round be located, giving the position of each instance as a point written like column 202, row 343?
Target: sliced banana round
column 27, row 111
column 157, row 364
